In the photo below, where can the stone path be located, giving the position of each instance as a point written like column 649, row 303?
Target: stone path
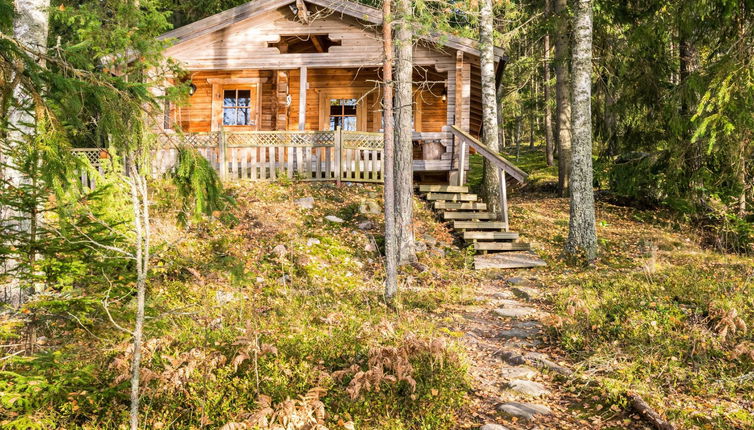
column 519, row 380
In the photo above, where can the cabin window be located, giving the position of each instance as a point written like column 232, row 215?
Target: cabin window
column 237, row 107
column 343, row 114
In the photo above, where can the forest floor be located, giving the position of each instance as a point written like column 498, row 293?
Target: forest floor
column 275, row 316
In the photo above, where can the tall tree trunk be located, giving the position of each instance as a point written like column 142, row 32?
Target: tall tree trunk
column 500, row 98
column 404, row 174
column 489, row 107
column 562, row 96
column 549, row 138
column 582, row 234
column 30, row 29
column 140, row 204
column 694, row 151
column 391, row 253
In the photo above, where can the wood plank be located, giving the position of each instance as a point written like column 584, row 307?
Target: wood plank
column 468, row 215
column 508, row 260
column 461, row 206
column 490, row 235
column 479, row 225
column 501, row 246
column 444, row 188
column 455, row 197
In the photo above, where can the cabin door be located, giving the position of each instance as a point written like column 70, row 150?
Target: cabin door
column 239, row 107
column 344, row 108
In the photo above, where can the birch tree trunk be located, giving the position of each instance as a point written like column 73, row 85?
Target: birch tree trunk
column 391, row 253
column 404, row 174
column 549, row 137
column 489, row 106
column 30, row 29
column 582, row 234
column 563, row 96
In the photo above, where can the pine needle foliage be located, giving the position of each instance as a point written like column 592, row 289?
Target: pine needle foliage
column 199, row 187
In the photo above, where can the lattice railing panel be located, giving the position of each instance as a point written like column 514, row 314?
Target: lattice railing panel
column 362, row 140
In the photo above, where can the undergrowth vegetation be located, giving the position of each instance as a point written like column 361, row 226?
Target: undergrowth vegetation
column 659, row 314
column 274, row 315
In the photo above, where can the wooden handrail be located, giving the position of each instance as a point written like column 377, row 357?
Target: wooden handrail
column 490, row 155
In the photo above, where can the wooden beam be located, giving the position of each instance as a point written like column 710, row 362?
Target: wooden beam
column 489, row 154
column 303, row 12
column 302, row 99
column 317, row 43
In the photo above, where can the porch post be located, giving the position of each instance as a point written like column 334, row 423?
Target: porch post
column 302, row 100
column 503, row 197
column 338, row 137
column 223, row 162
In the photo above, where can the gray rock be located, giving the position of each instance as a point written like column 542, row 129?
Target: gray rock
column 312, row 241
column 429, row 240
column 305, row 202
column 510, row 302
column 515, row 312
column 512, row 357
column 503, row 295
column 437, row 252
column 420, row 246
column 333, row 218
column 369, row 247
column 280, row 250
column 492, row 427
column 519, row 333
column 365, row 225
column 518, row 281
column 224, row 297
column 527, row 293
column 284, row 279
column 542, row 360
column 526, row 411
column 518, row 372
column 529, row 388
column 370, row 207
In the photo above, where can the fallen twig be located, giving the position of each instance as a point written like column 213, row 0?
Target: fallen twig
column 648, row 413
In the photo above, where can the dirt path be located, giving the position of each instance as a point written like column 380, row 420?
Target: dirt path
column 519, row 380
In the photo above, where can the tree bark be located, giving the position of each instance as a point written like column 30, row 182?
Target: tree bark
column 30, row 29
column 500, row 98
column 391, row 253
column 562, row 96
column 582, row 234
column 549, row 137
column 404, row 174
column 140, row 204
column 489, row 106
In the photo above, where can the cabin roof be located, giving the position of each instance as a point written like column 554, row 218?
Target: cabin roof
column 360, row 12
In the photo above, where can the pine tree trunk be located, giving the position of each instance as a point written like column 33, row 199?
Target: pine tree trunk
column 694, row 153
column 549, row 137
column 500, row 98
column 30, row 29
column 489, row 107
column 404, row 174
column 582, row 235
column 391, row 253
column 563, row 96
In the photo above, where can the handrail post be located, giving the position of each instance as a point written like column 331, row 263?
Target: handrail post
column 461, row 162
column 503, row 197
column 223, row 156
column 338, row 136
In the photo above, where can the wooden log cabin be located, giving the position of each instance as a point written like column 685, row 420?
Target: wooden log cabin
column 315, row 65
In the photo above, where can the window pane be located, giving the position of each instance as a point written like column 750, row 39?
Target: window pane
column 229, row 116
column 336, row 110
column 229, row 98
column 349, row 110
column 349, row 123
column 244, row 98
column 243, row 117
column 348, row 102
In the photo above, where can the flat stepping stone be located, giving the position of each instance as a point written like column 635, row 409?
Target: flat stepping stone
column 543, row 360
column 492, row 427
column 518, row 372
column 519, row 333
column 506, row 260
column 515, row 312
column 529, row 388
column 512, row 357
column 526, row 293
column 503, row 295
column 510, row 302
column 525, row 411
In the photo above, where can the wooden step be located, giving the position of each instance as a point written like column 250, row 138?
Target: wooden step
column 444, row 188
column 501, row 246
column 453, row 197
column 479, row 225
column 472, row 206
column 468, row 215
column 490, row 235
